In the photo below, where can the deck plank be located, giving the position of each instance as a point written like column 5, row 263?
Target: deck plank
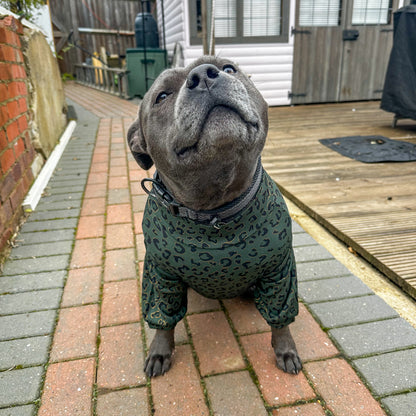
column 371, row 207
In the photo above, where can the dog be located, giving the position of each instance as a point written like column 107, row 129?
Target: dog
column 214, row 220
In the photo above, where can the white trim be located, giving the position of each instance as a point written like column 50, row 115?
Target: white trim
column 186, row 28
column 33, row 197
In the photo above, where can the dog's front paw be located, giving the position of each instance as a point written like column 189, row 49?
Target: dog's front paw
column 288, row 361
column 287, row 358
column 157, row 365
column 159, row 359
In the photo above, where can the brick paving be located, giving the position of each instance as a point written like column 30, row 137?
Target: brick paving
column 72, row 340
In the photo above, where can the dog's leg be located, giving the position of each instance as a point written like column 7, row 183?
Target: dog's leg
column 285, row 349
column 158, row 361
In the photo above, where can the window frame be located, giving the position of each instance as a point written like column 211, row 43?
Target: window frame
column 240, row 39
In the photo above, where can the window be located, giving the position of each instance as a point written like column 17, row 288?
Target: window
column 371, row 12
column 225, row 16
column 319, row 12
column 262, row 18
column 243, row 21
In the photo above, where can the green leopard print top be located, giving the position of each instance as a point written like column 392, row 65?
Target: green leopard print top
column 253, row 249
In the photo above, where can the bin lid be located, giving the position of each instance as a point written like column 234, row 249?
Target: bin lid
column 135, row 50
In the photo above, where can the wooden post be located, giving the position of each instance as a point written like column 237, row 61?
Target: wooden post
column 212, row 29
column 74, row 20
column 204, row 16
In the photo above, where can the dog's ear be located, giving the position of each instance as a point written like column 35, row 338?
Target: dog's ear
column 137, row 145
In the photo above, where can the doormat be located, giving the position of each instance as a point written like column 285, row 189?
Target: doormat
column 372, row 149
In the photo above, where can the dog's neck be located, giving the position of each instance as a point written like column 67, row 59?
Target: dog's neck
column 215, row 217
column 201, row 192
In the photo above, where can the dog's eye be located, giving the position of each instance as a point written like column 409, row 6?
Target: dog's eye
column 229, row 69
column 161, row 96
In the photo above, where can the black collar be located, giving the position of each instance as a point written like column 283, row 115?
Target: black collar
column 214, row 217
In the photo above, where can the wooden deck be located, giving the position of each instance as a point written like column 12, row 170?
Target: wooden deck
column 371, row 207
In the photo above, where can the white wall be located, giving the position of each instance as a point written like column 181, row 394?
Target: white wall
column 270, row 66
column 42, row 18
column 41, row 21
column 174, row 23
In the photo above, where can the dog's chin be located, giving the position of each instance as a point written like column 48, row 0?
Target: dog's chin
column 223, row 130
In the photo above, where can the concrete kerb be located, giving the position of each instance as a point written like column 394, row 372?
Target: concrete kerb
column 35, row 192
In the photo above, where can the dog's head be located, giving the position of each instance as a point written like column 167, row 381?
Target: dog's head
column 201, row 117
column 204, row 128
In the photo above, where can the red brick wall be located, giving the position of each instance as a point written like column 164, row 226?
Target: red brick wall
column 16, row 149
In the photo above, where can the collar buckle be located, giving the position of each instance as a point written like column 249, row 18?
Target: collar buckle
column 173, row 209
column 216, row 223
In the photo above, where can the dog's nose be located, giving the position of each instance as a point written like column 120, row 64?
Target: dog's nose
column 202, row 77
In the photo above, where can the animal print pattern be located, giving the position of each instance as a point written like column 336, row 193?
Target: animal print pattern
column 253, row 249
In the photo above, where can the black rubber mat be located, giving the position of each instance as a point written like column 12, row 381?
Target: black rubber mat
column 372, row 149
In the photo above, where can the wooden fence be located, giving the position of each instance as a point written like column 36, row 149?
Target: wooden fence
column 91, row 25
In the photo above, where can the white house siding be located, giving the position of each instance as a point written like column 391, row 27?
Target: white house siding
column 174, row 23
column 269, row 64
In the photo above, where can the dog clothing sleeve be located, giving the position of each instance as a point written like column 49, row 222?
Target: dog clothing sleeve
column 276, row 297
column 164, row 298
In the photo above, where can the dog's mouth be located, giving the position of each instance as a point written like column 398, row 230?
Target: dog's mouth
column 251, row 123
column 185, row 151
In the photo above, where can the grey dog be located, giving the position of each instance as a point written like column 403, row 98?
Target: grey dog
column 204, row 127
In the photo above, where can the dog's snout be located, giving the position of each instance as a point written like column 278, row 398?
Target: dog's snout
column 202, row 77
